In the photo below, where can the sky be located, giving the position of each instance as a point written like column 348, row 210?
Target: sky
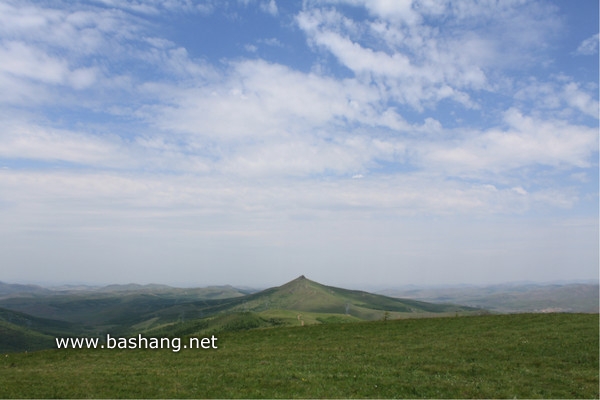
column 247, row 142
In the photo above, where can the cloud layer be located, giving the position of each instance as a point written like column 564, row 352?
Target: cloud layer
column 412, row 109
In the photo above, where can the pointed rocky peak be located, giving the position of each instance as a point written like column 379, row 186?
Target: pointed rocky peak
column 299, row 282
column 299, row 279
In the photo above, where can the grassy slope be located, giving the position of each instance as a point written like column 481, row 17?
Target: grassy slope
column 107, row 305
column 237, row 321
column 22, row 332
column 120, row 310
column 499, row 356
column 16, row 338
column 303, row 294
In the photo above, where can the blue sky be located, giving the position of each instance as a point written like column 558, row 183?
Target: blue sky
column 360, row 143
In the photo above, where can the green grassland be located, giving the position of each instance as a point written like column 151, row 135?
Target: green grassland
column 490, row 356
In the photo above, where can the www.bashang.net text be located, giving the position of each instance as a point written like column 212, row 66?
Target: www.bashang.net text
column 138, row 342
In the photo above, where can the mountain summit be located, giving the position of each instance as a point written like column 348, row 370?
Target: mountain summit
column 303, row 294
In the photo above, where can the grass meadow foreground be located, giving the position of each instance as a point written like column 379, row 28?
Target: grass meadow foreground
column 494, row 356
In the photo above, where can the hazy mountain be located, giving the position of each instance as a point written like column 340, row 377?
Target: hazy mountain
column 225, row 291
column 14, row 289
column 513, row 297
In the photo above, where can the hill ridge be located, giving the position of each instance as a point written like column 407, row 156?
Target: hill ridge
column 303, row 294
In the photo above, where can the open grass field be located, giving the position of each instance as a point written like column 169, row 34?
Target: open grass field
column 493, row 356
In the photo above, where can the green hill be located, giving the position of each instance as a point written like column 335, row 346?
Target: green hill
column 119, row 307
column 22, row 332
column 14, row 338
column 302, row 294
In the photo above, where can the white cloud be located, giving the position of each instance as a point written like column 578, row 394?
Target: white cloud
column 253, row 100
column 412, row 60
column 82, row 78
column 301, row 156
column 89, row 201
column 581, row 100
column 245, row 117
column 416, row 71
column 40, row 143
column 589, row 46
column 561, row 93
column 79, row 31
column 21, row 60
column 527, row 142
column 270, row 7
column 154, row 7
column 48, row 49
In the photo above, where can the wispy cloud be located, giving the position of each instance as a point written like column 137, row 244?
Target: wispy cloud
column 269, row 7
column 589, row 46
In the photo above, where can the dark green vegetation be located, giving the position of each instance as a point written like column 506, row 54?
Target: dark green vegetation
column 20, row 331
column 492, row 356
column 34, row 316
column 158, row 310
column 506, row 298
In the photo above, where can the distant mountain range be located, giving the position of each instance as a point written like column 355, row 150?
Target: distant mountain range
column 14, row 289
column 30, row 316
column 11, row 290
column 511, row 298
